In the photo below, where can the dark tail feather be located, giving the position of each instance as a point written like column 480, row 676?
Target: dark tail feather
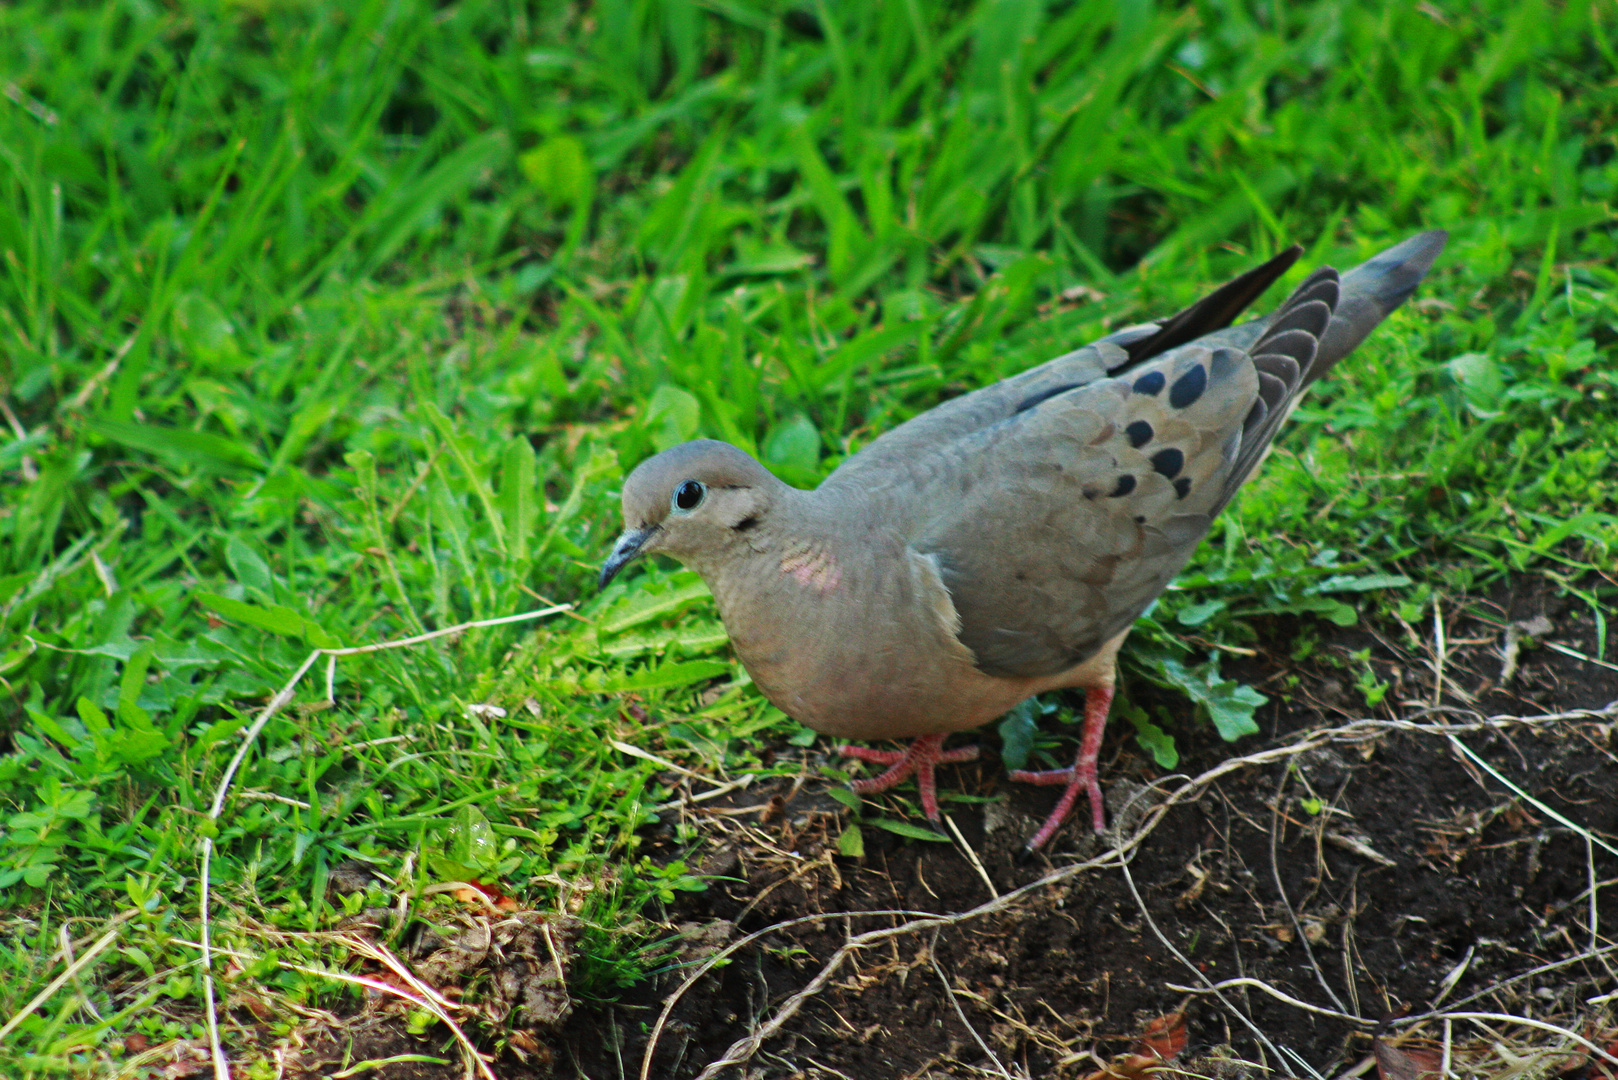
column 1215, row 311
column 1373, row 289
column 1297, row 345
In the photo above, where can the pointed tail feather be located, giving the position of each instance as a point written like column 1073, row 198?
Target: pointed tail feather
column 1370, row 291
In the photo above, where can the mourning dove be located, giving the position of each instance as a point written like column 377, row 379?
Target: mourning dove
column 1001, row 544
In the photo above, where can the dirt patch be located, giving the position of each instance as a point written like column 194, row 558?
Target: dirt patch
column 1372, row 871
column 1352, row 866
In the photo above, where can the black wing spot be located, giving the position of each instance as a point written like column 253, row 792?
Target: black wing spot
column 1188, row 387
column 1126, row 484
column 746, row 523
column 1150, row 383
column 1140, row 433
column 1045, row 395
column 1169, row 462
column 1182, row 487
column 1223, row 361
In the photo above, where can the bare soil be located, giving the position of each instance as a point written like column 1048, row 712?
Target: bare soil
column 1354, row 866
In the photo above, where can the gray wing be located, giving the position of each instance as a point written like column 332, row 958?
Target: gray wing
column 1061, row 502
column 908, row 452
column 1068, row 519
column 1058, row 525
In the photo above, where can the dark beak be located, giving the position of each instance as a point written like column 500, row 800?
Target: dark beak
column 624, row 552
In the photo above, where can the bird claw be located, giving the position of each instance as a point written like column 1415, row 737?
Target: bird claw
column 1078, row 779
column 919, row 758
column 1024, row 855
column 1081, row 775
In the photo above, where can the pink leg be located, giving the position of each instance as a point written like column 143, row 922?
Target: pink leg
column 919, row 757
column 1082, row 776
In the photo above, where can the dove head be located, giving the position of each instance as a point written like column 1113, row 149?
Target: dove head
column 694, row 502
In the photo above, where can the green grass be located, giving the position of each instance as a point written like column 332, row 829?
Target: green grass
column 324, row 327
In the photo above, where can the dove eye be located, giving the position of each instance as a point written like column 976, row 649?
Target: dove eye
column 689, row 495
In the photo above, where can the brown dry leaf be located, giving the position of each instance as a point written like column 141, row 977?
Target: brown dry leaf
column 1160, row 1042
column 1599, row 1069
column 1416, row 1063
column 189, row 1058
column 1164, row 1037
column 1132, row 1067
column 527, row 1047
column 479, row 894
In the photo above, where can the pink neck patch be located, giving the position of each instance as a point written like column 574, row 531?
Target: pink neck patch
column 812, row 567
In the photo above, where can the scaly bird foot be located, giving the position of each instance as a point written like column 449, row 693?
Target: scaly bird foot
column 920, row 758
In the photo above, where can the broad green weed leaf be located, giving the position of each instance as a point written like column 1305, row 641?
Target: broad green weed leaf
column 1197, row 614
column 766, row 260
column 846, row 796
column 215, row 732
column 1017, row 733
column 201, row 449
column 906, row 829
column 689, row 636
column 516, row 498
column 282, row 621
column 688, row 673
column 851, row 842
column 130, row 746
column 445, row 868
column 672, row 416
column 171, row 654
column 95, row 721
column 471, row 840
column 1327, row 608
column 130, row 684
column 204, row 328
column 272, row 617
column 1230, row 705
column 249, row 568
column 1361, row 583
column 560, row 169
column 1153, row 739
column 793, row 448
column 52, row 730
column 645, row 605
column 1481, row 382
